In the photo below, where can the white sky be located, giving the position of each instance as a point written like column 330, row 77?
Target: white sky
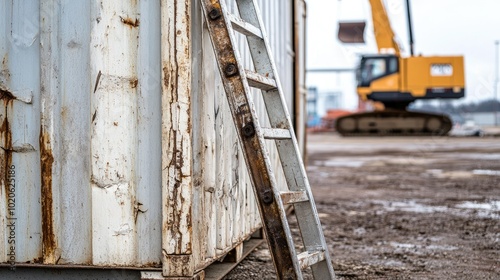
column 440, row 27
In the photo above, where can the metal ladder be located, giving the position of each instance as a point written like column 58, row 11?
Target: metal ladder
column 237, row 82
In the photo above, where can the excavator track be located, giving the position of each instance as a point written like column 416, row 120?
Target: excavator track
column 393, row 123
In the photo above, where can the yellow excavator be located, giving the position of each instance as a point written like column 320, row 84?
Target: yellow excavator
column 396, row 81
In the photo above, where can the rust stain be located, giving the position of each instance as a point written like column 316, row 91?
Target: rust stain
column 48, row 235
column 134, row 83
column 6, row 142
column 5, row 67
column 6, row 95
column 5, row 155
column 130, row 22
column 178, row 222
column 179, row 265
column 137, row 210
column 6, row 134
column 166, row 77
column 187, row 15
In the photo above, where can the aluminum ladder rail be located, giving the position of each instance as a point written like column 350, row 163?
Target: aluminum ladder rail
column 237, row 82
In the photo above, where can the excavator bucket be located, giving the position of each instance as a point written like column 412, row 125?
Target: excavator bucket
column 351, row 32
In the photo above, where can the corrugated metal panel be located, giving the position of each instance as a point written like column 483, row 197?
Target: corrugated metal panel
column 20, row 119
column 94, row 126
column 125, row 133
column 64, row 132
column 117, row 133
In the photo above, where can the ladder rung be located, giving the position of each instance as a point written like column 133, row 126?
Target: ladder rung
column 307, row 259
column 244, row 27
column 291, row 197
column 259, row 81
column 276, row 133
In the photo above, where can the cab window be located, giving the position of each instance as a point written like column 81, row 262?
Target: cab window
column 373, row 68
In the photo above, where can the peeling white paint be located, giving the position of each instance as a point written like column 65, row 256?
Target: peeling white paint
column 136, row 180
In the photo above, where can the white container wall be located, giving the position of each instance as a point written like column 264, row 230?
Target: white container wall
column 117, row 144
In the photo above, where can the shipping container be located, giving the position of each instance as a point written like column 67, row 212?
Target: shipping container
column 119, row 157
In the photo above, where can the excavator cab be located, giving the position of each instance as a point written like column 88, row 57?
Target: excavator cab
column 373, row 67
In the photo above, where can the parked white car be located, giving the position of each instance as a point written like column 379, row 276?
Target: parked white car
column 469, row 128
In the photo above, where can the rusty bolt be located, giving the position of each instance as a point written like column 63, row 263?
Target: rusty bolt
column 249, row 130
column 214, row 14
column 231, row 70
column 268, row 197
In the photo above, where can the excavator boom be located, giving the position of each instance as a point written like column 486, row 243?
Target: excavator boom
column 384, row 35
column 353, row 31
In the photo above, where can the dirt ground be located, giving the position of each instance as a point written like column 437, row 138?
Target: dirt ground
column 403, row 208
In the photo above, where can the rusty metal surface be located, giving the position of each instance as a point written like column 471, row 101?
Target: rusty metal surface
column 177, row 192
column 351, row 32
column 81, row 120
column 47, row 84
column 19, row 157
column 242, row 107
column 49, row 244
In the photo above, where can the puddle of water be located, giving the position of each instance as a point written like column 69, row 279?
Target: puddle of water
column 486, row 172
column 439, row 173
column 394, row 263
column 412, row 206
column 409, row 161
column 489, row 210
column 402, row 245
column 441, row 248
column 492, row 156
column 342, row 163
column 491, row 206
column 428, row 247
column 371, row 161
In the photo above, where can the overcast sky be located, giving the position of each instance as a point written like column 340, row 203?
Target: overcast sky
column 440, row 27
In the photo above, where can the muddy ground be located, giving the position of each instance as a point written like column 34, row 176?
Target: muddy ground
column 403, row 208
